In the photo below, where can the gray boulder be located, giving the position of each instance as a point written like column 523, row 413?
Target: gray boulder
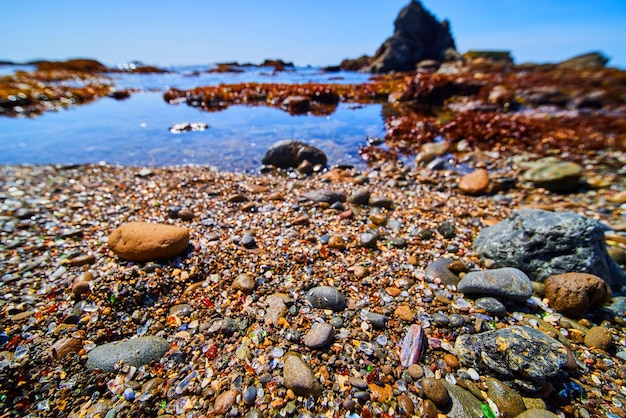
column 135, row 352
column 291, row 153
column 543, row 243
column 418, row 36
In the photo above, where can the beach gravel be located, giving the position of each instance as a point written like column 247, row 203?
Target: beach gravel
column 225, row 327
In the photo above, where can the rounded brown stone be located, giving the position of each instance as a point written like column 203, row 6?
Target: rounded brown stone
column 143, row 241
column 435, row 391
column 475, row 183
column 403, row 312
column 65, row 346
column 509, row 402
column 430, row 409
column 80, row 288
column 575, row 294
column 416, row 371
column 598, row 337
column 405, row 406
column 452, row 361
column 245, row 283
column 337, row 242
column 185, row 215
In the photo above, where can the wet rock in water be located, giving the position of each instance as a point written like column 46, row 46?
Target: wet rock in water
column 554, row 175
column 436, row 391
column 439, row 269
column 463, row 404
column 291, row 153
column 575, row 294
column 507, row 283
column 135, row 352
column 474, row 183
column 142, row 241
column 524, row 356
column 543, row 243
column 325, row 196
column 509, row 402
column 599, row 337
column 298, row 376
column 296, row 104
column 326, row 297
column 320, row 335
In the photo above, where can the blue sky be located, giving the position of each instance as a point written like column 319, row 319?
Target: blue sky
column 317, row 32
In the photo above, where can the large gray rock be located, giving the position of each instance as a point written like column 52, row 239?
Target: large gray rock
column 507, row 283
column 418, row 36
column 543, row 243
column 135, row 352
column 326, row 297
column 291, row 153
column 521, row 355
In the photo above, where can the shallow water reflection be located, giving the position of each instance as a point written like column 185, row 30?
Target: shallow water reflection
column 136, row 132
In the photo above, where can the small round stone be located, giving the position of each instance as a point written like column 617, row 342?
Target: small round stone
column 404, row 313
column 435, row 391
column 248, row 241
column 320, row 335
column 185, row 215
column 337, row 242
column 430, row 409
column 598, row 337
column 452, row 361
column 245, row 283
column 492, row 305
column 368, row 239
column 416, row 371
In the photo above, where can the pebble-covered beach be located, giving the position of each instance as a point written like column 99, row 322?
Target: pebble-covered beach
column 331, row 294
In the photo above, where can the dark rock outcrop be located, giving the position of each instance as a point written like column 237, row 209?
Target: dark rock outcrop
column 590, row 61
column 418, row 36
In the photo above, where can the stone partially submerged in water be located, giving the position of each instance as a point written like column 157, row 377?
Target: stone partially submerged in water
column 291, row 153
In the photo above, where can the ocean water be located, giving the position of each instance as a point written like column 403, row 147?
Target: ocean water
column 136, row 131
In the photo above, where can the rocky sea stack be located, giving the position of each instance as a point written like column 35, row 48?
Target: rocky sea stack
column 417, row 36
